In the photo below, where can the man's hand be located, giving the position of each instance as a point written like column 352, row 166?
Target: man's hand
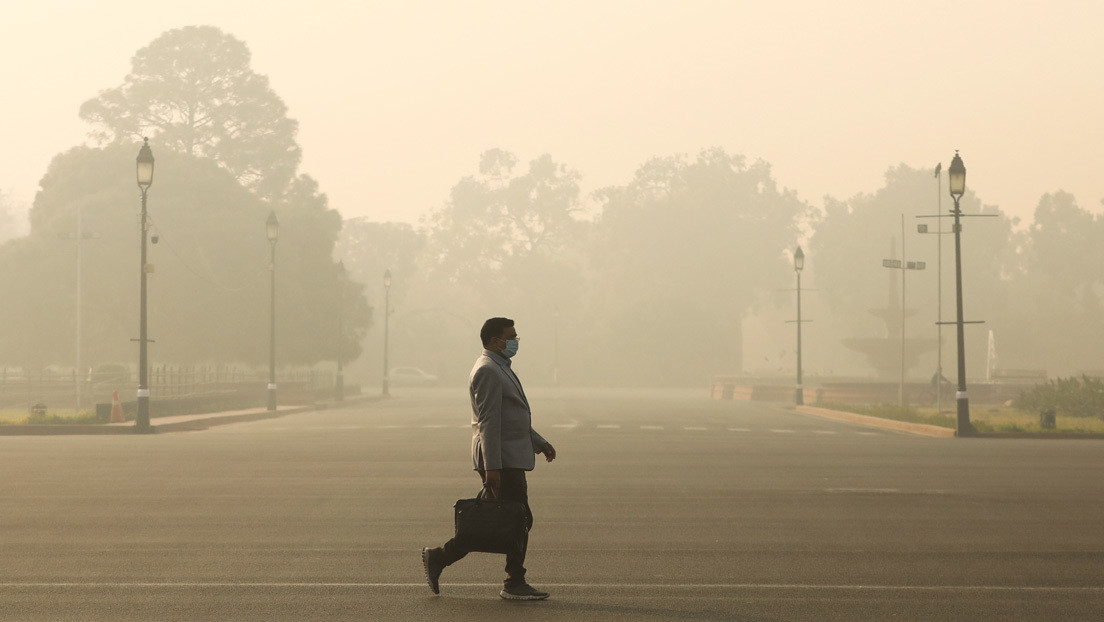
column 549, row 452
column 493, row 482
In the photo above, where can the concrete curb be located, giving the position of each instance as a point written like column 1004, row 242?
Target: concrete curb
column 184, row 423
column 202, row 423
column 877, row 422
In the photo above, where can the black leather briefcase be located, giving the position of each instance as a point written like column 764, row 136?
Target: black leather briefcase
column 490, row 525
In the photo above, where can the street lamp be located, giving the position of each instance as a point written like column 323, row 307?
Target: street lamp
column 799, row 263
column 339, row 383
column 957, row 175
column 386, row 323
column 272, row 226
column 145, row 180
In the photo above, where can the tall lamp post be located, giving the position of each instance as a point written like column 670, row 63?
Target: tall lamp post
column 799, row 263
column 145, row 180
column 272, row 227
column 957, row 175
column 386, row 326
column 339, row 383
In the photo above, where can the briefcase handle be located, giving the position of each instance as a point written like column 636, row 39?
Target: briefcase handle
column 485, row 493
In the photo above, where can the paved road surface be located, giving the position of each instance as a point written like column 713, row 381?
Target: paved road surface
column 663, row 505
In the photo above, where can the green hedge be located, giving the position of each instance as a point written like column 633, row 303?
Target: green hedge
column 1069, row 397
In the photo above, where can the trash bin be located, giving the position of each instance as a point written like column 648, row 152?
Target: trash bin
column 103, row 413
column 1047, row 420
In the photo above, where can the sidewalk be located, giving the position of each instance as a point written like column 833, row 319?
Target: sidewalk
column 180, row 423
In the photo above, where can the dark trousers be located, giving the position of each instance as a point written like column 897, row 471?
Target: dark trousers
column 513, row 488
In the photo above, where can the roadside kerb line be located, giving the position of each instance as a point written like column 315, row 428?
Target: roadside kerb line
column 877, row 422
column 644, row 586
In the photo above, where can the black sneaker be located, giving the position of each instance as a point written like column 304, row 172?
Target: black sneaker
column 522, row 591
column 431, row 562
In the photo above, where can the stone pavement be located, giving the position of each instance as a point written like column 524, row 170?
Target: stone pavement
column 179, row 423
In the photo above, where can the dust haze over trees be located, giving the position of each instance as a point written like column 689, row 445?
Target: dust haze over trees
column 653, row 282
column 226, row 158
column 686, row 250
column 193, row 89
column 656, row 288
column 1057, row 293
column 10, row 218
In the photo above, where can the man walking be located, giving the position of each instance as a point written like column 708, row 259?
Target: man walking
column 504, row 447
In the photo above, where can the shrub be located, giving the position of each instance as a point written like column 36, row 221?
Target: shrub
column 83, row 416
column 1070, row 397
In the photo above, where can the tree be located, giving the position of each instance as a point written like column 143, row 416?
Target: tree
column 496, row 221
column 508, row 242
column 209, row 292
column 682, row 253
column 368, row 249
column 192, row 90
column 1057, row 294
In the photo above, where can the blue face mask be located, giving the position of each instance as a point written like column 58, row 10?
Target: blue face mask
column 511, row 348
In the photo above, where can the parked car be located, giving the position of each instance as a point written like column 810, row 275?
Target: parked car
column 411, row 377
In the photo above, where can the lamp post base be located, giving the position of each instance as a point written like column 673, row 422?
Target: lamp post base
column 339, row 388
column 799, row 396
column 271, row 397
column 963, row 427
column 142, row 419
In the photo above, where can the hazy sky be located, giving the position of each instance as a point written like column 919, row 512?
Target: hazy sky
column 395, row 100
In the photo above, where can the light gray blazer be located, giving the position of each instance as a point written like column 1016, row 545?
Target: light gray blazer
column 502, row 424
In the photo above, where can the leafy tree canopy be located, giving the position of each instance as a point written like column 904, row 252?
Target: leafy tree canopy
column 708, row 236
column 497, row 221
column 209, row 293
column 192, row 90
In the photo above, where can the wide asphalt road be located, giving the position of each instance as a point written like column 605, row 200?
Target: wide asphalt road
column 662, row 505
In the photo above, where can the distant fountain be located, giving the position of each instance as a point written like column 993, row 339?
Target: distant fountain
column 884, row 353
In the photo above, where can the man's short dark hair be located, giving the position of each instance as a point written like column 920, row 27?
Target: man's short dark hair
column 494, row 327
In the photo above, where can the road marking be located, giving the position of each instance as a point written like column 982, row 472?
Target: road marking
column 879, row 491
column 739, row 430
column 651, row 427
column 782, row 431
column 609, row 426
column 434, row 425
column 868, row 433
column 1092, row 589
column 694, row 428
column 825, row 432
column 392, row 427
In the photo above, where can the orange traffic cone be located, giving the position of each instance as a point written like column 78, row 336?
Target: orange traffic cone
column 116, row 408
